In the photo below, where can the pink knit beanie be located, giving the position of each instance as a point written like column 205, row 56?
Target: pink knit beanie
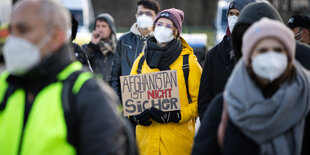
column 267, row 28
column 175, row 15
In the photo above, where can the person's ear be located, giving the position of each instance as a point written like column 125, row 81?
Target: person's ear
column 305, row 33
column 58, row 39
column 175, row 32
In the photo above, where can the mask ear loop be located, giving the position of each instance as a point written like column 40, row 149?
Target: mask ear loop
column 299, row 33
column 44, row 40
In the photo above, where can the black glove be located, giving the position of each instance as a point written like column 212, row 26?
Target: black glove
column 142, row 118
column 165, row 117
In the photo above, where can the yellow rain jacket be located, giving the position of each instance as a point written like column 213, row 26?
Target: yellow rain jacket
column 173, row 138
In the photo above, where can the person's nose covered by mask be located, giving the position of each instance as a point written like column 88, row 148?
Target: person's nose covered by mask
column 21, row 55
column 269, row 65
column 163, row 34
column 232, row 20
column 144, row 21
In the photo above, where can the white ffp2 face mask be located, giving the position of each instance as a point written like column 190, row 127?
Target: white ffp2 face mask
column 21, row 55
column 163, row 34
column 232, row 20
column 144, row 21
column 269, row 65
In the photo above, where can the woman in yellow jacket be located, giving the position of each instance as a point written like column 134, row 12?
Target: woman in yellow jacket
column 169, row 133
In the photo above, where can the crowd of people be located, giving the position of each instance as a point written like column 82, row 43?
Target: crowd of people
column 252, row 95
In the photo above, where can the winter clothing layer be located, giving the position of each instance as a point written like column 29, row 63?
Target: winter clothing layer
column 218, row 65
column 128, row 48
column 206, row 138
column 173, row 138
column 275, row 123
column 101, row 55
column 175, row 15
column 267, row 28
column 162, row 57
column 238, row 4
column 236, row 142
column 94, row 107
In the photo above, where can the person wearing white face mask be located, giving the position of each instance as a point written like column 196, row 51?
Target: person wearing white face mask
column 167, row 50
column 48, row 103
column 267, row 98
column 300, row 25
column 131, row 44
column 219, row 61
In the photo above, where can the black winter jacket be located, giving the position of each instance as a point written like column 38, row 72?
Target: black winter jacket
column 98, row 128
column 100, row 63
column 128, row 48
column 218, row 66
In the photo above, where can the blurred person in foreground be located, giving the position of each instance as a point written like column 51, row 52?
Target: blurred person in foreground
column 132, row 43
column 300, row 25
column 101, row 49
column 171, row 132
column 206, row 139
column 48, row 104
column 267, row 97
column 219, row 61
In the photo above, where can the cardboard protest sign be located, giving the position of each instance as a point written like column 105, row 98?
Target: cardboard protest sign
column 143, row 91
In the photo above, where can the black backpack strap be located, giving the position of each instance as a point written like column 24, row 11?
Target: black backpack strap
column 141, row 61
column 9, row 91
column 185, row 68
column 69, row 108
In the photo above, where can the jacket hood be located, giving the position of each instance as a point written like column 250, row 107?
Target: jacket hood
column 109, row 20
column 255, row 11
column 186, row 48
column 249, row 15
column 134, row 30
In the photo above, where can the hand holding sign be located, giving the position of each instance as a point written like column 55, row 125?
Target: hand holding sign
column 165, row 117
column 143, row 91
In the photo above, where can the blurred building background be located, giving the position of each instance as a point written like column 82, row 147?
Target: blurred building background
column 200, row 15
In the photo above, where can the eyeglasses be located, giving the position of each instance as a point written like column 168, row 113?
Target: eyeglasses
column 148, row 13
column 159, row 24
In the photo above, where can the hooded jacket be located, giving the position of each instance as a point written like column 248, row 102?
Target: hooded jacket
column 218, row 65
column 204, row 141
column 101, row 62
column 173, row 138
column 128, row 48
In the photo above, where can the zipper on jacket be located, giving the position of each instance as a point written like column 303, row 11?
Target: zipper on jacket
column 128, row 45
column 137, row 48
column 29, row 97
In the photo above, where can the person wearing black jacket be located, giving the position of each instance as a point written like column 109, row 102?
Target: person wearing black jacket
column 219, row 61
column 101, row 48
column 132, row 43
column 206, row 139
column 48, row 104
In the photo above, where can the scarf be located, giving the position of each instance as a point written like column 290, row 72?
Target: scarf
column 108, row 46
column 162, row 57
column 276, row 123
